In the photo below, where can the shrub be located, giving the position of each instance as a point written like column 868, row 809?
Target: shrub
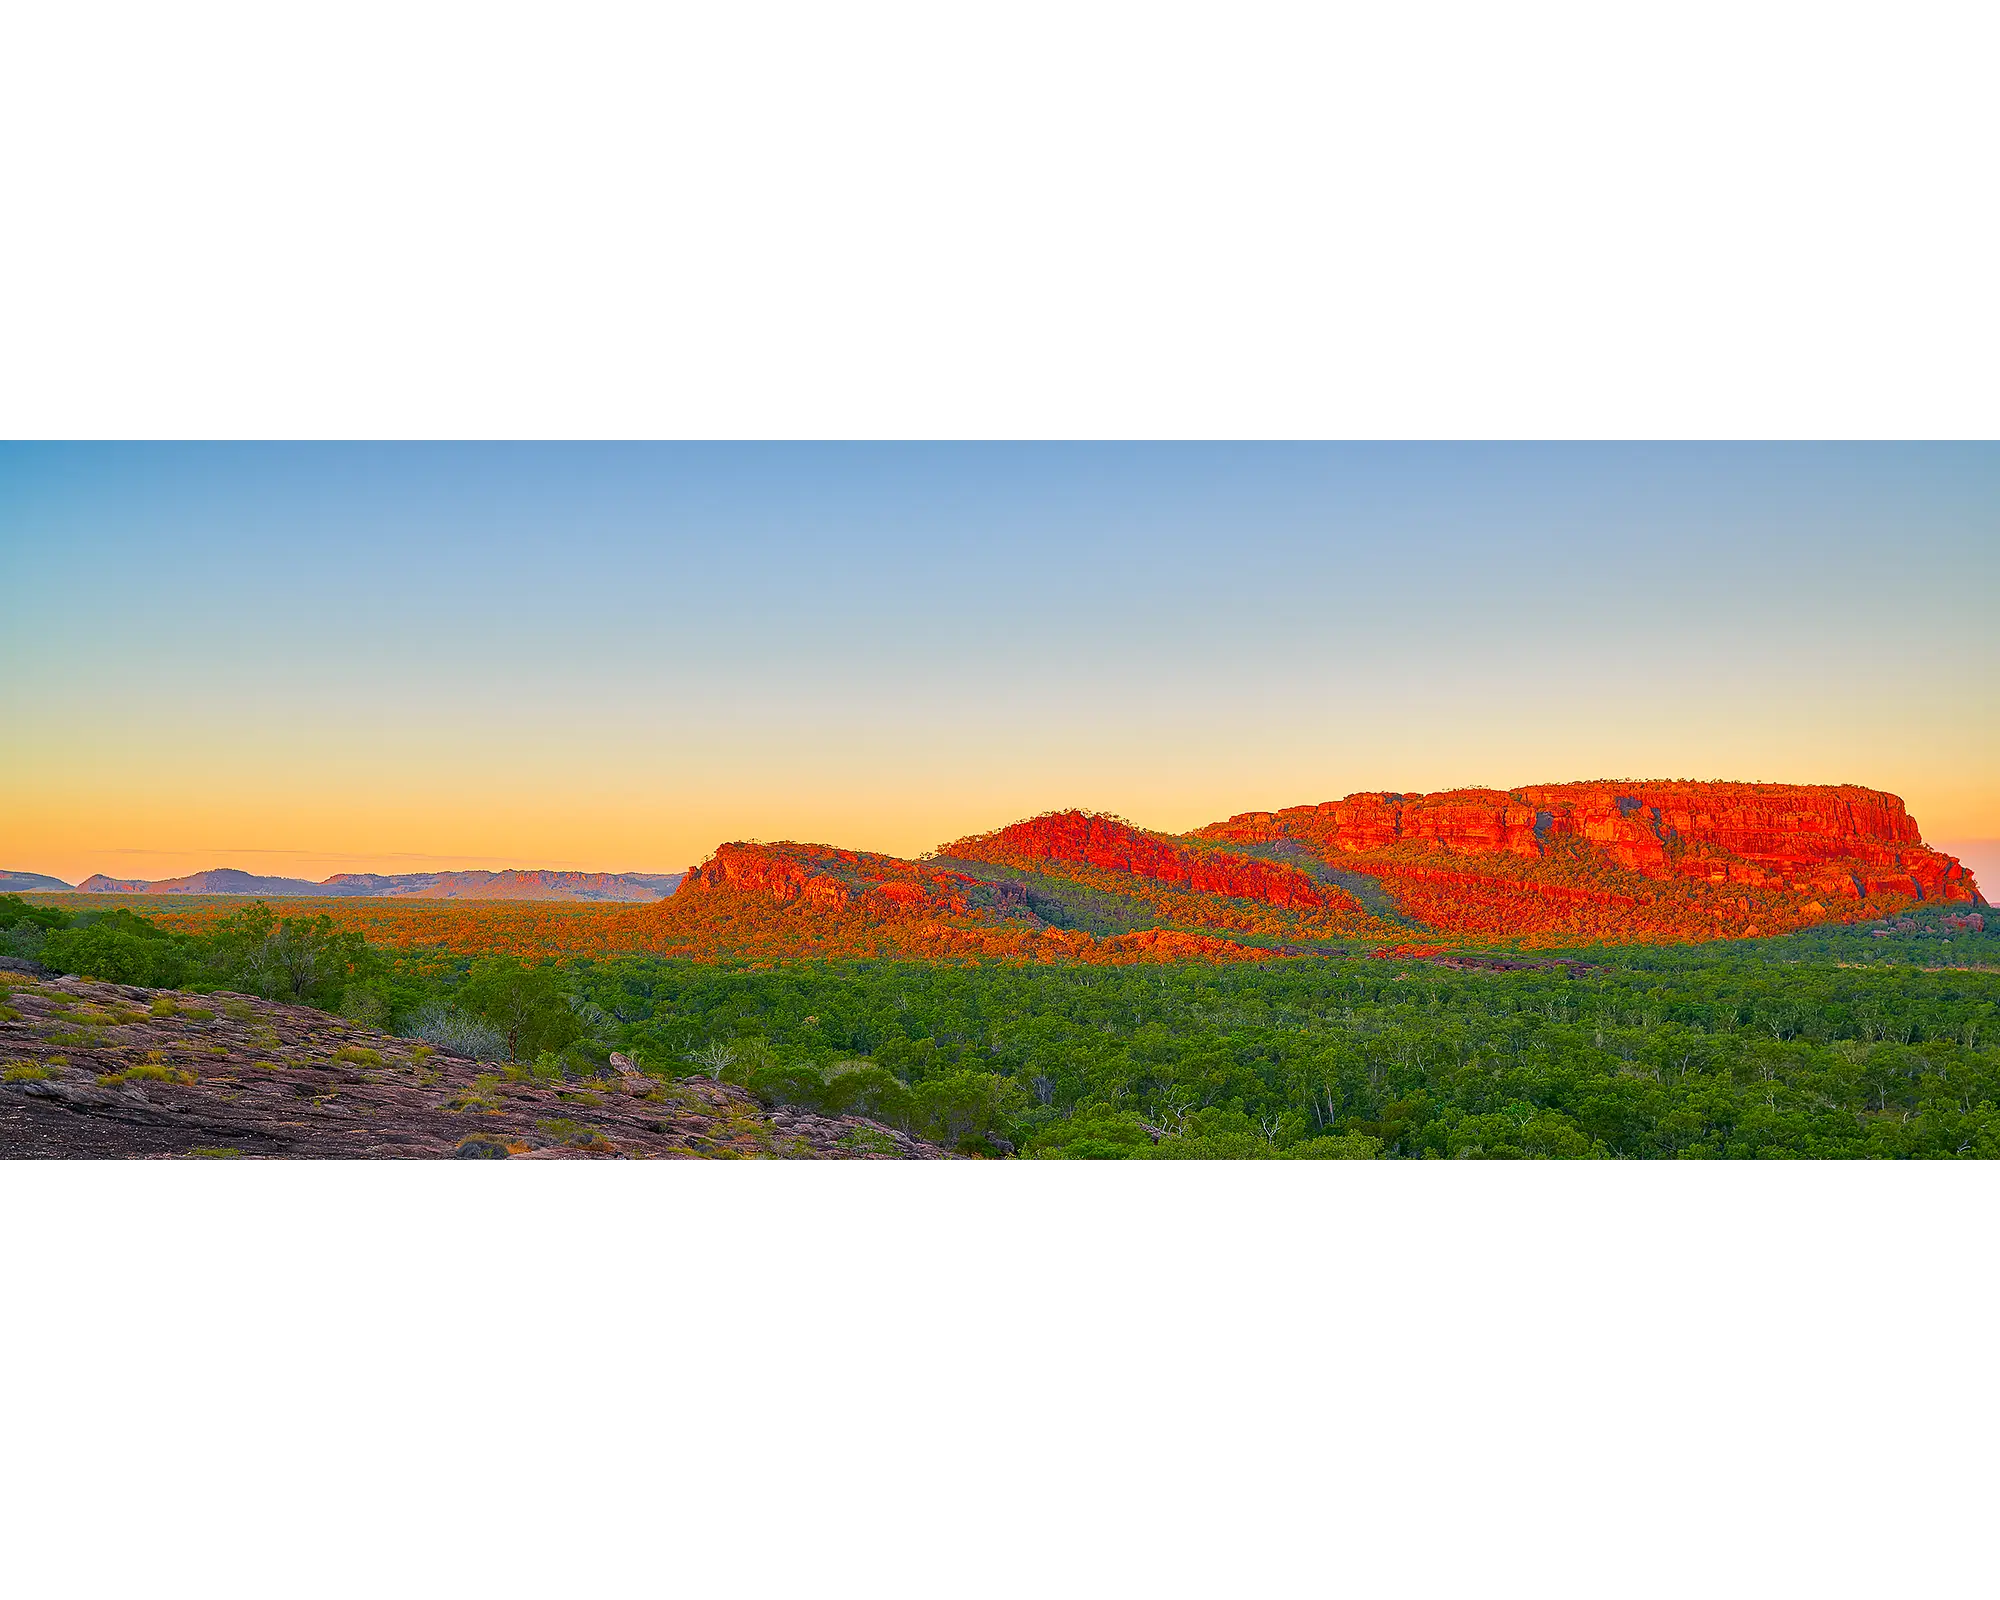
column 1521, row 1133
column 359, row 1055
column 1211, row 1147
column 965, row 1107
column 588, row 1058
column 121, row 948
column 783, row 1084
column 1334, row 1147
column 364, row 1006
column 863, row 1089
column 20, row 1071
column 148, row 1072
column 1218, row 1133
column 481, row 1096
column 868, row 1141
column 450, row 1030
column 843, row 1088
column 1095, row 1133
column 25, row 942
column 568, row 1131
column 215, row 1152
column 17, row 913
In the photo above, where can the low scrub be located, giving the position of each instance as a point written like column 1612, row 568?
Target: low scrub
column 568, row 1131
column 454, row 1033
column 358, row 1055
column 149, row 1072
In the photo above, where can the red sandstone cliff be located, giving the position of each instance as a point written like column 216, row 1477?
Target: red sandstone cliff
column 1550, row 864
column 823, row 878
column 771, row 900
column 1629, row 859
column 1829, row 840
column 1083, row 838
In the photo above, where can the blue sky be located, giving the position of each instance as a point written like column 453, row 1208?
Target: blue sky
column 615, row 656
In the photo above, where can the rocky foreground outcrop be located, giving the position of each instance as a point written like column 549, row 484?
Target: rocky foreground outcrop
column 109, row 1070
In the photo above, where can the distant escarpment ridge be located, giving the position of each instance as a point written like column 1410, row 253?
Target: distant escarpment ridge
column 508, row 885
column 1614, row 861
column 26, row 882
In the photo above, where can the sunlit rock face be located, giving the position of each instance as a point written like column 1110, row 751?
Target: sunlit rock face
column 1549, row 864
column 827, row 879
column 807, row 900
column 1082, row 838
column 1674, row 856
column 1842, row 840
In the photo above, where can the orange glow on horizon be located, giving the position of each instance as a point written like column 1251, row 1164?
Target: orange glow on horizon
column 73, row 836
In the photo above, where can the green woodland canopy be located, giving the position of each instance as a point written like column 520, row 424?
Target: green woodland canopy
column 1838, row 1042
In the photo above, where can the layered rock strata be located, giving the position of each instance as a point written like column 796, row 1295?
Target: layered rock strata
column 1679, row 859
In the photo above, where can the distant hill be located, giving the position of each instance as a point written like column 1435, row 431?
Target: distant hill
column 508, row 885
column 222, row 880
column 17, row 882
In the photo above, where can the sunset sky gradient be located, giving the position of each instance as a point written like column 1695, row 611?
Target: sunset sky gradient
column 398, row 658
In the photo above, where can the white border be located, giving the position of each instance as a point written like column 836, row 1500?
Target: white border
column 1421, row 1378
column 1438, row 220
column 1073, row 219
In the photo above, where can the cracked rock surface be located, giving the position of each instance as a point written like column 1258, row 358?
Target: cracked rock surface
column 104, row 1070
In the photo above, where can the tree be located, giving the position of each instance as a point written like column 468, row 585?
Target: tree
column 120, row 948
column 714, row 1058
column 526, row 1003
column 305, row 960
column 965, row 1108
